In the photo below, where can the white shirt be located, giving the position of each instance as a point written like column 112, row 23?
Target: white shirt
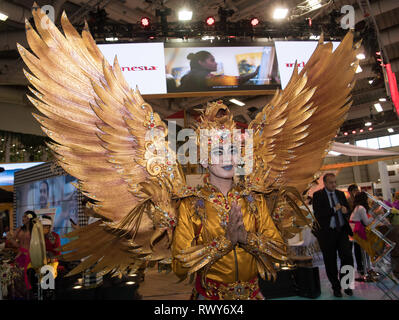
column 360, row 214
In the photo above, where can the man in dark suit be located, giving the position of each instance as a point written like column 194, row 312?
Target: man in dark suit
column 330, row 209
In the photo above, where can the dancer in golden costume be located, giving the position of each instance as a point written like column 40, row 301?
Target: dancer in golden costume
column 226, row 232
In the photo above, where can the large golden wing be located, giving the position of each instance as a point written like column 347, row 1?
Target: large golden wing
column 292, row 134
column 103, row 132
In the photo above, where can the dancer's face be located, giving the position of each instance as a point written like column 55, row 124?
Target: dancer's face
column 223, row 161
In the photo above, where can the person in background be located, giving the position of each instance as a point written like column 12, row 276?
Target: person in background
column 358, row 221
column 330, row 207
column 44, row 194
column 51, row 238
column 353, row 190
column 21, row 240
column 200, row 77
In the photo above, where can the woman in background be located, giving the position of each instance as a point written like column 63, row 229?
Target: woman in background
column 359, row 220
column 200, row 77
column 21, row 240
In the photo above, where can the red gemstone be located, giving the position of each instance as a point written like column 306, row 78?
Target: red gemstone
column 152, row 125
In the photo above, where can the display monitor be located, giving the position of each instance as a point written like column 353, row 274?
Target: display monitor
column 55, row 196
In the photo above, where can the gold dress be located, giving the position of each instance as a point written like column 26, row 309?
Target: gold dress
column 202, row 221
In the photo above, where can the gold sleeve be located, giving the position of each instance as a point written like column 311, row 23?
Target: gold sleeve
column 188, row 257
column 266, row 242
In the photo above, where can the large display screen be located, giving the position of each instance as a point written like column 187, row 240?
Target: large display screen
column 57, row 195
column 190, row 69
column 156, row 69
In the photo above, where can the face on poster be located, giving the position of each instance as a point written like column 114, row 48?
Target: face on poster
column 55, row 195
column 290, row 51
column 214, row 68
column 142, row 64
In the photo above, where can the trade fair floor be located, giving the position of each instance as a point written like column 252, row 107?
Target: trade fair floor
column 165, row 286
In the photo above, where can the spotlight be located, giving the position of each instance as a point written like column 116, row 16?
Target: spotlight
column 390, row 130
column 371, row 81
column 345, row 133
column 77, row 287
column 353, row 131
column 361, row 56
column 210, row 21
column 382, row 99
column 361, row 130
column 378, row 107
column 368, row 124
column 370, row 128
column 130, row 283
column 280, row 13
column 185, row 15
column 145, row 22
column 3, row 16
column 254, row 22
column 237, row 102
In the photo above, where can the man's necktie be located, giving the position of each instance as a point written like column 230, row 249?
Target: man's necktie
column 337, row 221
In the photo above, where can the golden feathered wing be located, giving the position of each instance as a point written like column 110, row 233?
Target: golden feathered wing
column 294, row 131
column 105, row 135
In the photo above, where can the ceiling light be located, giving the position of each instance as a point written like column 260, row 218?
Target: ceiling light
column 254, row 22
column 185, row 15
column 280, row 13
column 361, row 130
column 314, row 4
column 353, row 131
column 371, row 81
column 360, row 56
column 382, row 99
column 210, row 21
column 145, row 22
column 345, row 133
column 237, row 102
column 111, row 39
column 368, row 124
column 359, row 69
column 77, row 287
column 3, row 16
column 130, row 283
column 390, row 130
column 313, row 37
column 378, row 107
column 371, row 128
column 208, row 38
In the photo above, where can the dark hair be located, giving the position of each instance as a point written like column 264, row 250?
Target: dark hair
column 196, row 57
column 330, row 174
column 353, row 187
column 33, row 214
column 361, row 199
column 310, row 199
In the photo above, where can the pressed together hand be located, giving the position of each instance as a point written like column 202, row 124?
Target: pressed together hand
column 235, row 231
